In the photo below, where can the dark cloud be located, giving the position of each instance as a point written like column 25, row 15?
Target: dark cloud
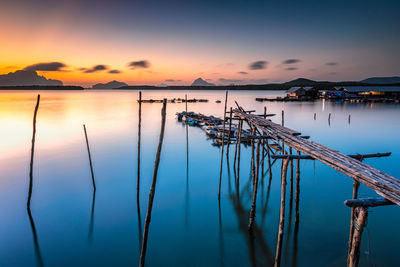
column 26, row 77
column 243, row 72
column 46, row 66
column 114, row 71
column 141, row 64
column 291, row 61
column 223, row 80
column 172, row 81
column 331, row 63
column 95, row 68
column 258, row 65
column 291, row 68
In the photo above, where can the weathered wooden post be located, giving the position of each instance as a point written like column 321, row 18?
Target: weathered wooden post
column 222, row 149
column 255, row 187
column 28, row 204
column 354, row 254
column 253, row 167
column 138, row 155
column 153, row 187
column 297, row 196
column 138, row 169
column 229, row 133
column 263, row 148
column 239, row 146
column 282, row 213
column 291, row 177
column 90, row 158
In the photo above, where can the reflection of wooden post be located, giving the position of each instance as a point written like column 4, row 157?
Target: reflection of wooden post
column 153, row 187
column 255, row 186
column 285, row 163
column 32, row 153
column 297, row 196
column 315, row 116
column 222, row 149
column 90, row 158
column 354, row 255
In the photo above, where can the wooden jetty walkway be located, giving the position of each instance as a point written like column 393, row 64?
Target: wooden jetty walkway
column 278, row 140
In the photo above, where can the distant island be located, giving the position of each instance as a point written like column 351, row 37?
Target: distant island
column 318, row 85
column 26, row 78
column 110, row 85
column 201, row 82
column 30, row 80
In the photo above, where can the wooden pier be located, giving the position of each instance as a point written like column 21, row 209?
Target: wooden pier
column 278, row 140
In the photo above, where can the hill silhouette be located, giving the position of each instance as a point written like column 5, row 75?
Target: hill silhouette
column 26, row 78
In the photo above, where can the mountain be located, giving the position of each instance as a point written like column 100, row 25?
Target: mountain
column 26, row 77
column 301, row 82
column 110, row 85
column 382, row 80
column 201, row 82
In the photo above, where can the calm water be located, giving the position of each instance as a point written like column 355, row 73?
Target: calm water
column 188, row 228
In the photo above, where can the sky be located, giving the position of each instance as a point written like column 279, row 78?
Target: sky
column 224, row 42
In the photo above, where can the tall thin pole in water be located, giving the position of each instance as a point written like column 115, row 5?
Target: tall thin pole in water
column 153, row 187
column 222, row 149
column 138, row 170
column 28, row 204
column 32, row 153
column 90, row 158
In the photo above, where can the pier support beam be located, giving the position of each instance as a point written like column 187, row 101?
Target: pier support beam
column 282, row 214
column 360, row 220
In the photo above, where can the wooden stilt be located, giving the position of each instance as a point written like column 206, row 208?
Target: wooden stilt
column 236, row 145
column 222, row 149
column 263, row 149
column 255, row 187
column 356, row 185
column 361, row 218
column 297, row 196
column 239, row 146
column 282, row 213
column 229, row 133
column 153, row 187
column 90, row 158
column 253, row 167
column 291, row 177
column 269, row 160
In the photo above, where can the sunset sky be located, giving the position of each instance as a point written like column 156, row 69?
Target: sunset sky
column 175, row 42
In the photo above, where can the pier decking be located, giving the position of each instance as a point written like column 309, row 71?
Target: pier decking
column 383, row 184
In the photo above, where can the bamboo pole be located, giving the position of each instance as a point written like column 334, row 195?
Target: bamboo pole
column 255, row 187
column 90, row 158
column 153, row 187
column 222, row 149
column 354, row 255
column 38, row 254
column 297, row 196
column 91, row 224
column 282, row 214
